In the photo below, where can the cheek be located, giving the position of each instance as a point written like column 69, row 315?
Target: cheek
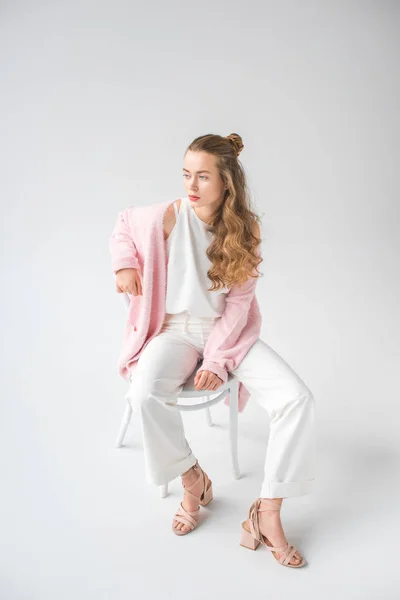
column 208, row 186
column 213, row 189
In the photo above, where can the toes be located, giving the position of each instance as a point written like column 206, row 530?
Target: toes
column 296, row 559
column 180, row 526
column 292, row 561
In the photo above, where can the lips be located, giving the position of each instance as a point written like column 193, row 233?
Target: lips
column 195, row 197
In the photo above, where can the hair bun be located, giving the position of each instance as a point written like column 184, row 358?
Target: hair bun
column 236, row 142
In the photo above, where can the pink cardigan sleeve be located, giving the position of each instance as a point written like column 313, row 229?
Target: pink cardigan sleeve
column 224, row 345
column 121, row 244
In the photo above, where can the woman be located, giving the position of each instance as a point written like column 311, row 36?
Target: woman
column 177, row 319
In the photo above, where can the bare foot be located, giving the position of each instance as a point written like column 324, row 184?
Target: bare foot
column 271, row 527
column 189, row 503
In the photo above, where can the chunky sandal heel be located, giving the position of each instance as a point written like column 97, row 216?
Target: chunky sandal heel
column 247, row 540
column 206, row 496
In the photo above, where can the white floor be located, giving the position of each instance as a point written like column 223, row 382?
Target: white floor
column 80, row 522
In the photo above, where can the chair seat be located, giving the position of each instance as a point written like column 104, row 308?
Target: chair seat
column 189, row 389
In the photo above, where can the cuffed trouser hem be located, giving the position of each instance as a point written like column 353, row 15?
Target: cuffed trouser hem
column 172, row 471
column 286, row 489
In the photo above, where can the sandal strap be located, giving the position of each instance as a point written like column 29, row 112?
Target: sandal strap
column 288, row 555
column 253, row 515
column 192, row 485
column 253, row 519
column 186, row 517
column 288, row 550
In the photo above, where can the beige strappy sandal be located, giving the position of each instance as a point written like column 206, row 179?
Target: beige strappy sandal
column 252, row 538
column 190, row 518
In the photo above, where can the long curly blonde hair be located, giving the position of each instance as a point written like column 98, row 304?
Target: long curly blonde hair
column 235, row 250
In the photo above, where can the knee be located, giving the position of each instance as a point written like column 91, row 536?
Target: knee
column 146, row 392
column 304, row 394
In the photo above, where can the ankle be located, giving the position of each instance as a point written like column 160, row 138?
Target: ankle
column 273, row 502
column 191, row 470
column 189, row 477
column 270, row 508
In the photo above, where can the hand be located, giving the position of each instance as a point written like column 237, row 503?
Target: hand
column 128, row 280
column 207, row 380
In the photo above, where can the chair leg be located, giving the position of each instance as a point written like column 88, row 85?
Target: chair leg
column 164, row 490
column 208, row 413
column 124, row 425
column 233, row 426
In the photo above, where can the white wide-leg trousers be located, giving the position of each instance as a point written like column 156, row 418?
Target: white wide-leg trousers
column 160, row 374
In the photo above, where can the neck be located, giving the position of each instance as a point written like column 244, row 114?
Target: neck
column 206, row 213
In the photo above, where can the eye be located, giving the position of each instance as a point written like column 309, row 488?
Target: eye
column 204, row 176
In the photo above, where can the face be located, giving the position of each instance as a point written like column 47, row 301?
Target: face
column 202, row 179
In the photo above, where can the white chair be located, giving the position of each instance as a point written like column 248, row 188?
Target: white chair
column 189, row 391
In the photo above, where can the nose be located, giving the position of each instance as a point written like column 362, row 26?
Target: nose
column 191, row 182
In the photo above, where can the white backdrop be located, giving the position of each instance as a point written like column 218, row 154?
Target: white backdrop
column 98, row 103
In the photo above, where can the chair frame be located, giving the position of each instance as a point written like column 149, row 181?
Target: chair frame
column 231, row 387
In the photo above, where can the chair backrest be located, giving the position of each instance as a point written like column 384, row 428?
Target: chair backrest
column 126, row 299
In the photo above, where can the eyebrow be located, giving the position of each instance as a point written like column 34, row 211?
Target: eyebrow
column 203, row 171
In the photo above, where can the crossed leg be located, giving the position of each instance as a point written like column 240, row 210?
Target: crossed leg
column 289, row 468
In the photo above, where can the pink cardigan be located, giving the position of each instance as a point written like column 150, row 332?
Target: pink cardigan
column 137, row 241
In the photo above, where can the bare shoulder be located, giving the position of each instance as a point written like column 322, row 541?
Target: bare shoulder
column 170, row 210
column 169, row 218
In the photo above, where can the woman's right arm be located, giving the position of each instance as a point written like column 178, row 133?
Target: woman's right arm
column 124, row 257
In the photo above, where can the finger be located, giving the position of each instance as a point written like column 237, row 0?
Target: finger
column 140, row 286
column 133, row 288
column 202, row 380
column 206, row 382
column 216, row 382
column 209, row 383
column 213, row 384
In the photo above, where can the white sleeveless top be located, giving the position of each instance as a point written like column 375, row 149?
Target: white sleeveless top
column 187, row 281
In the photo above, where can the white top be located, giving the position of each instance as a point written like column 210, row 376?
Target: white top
column 187, row 280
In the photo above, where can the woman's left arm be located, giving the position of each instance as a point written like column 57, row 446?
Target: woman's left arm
column 225, row 346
